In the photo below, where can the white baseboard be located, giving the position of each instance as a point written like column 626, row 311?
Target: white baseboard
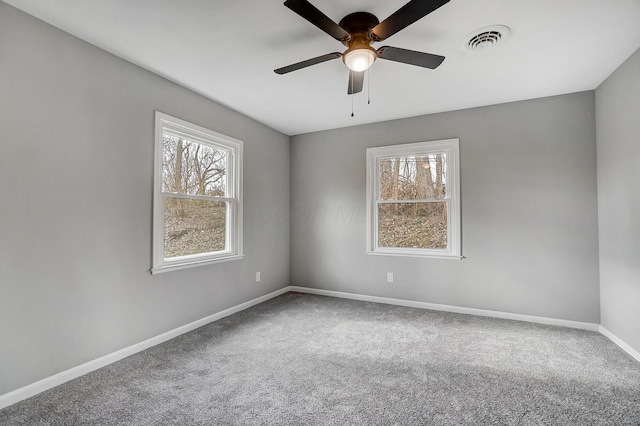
column 67, row 375
column 615, row 339
column 449, row 308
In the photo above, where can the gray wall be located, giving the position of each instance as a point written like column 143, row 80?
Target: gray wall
column 529, row 210
column 76, row 148
column 618, row 142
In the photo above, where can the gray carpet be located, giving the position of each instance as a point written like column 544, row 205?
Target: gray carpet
column 303, row 359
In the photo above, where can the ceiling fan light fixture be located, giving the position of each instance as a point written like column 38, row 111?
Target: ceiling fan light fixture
column 359, row 58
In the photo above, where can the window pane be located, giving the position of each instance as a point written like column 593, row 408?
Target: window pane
column 413, row 225
column 194, row 226
column 193, row 168
column 413, row 177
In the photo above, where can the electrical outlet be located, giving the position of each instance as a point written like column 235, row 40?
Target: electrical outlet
column 389, row 277
column 257, row 277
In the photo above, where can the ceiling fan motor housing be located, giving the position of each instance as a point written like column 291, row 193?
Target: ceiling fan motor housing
column 359, row 55
column 359, row 25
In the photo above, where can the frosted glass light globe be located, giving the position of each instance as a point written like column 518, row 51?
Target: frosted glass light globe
column 359, row 60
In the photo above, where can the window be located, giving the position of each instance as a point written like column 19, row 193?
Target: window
column 197, row 206
column 413, row 199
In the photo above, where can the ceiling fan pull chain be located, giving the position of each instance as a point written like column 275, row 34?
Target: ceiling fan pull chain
column 352, row 95
column 352, row 106
column 369, row 87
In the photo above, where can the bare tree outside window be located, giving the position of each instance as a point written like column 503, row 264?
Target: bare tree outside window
column 192, row 168
column 421, row 221
column 193, row 226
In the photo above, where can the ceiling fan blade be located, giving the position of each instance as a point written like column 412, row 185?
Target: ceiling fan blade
column 308, row 63
column 411, row 57
column 356, row 81
column 317, row 18
column 405, row 16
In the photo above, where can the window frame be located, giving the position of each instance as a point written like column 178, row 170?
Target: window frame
column 165, row 123
column 449, row 147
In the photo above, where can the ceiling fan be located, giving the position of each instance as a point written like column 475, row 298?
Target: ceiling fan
column 358, row 31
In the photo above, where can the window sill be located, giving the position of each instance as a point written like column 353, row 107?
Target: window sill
column 168, row 267
column 424, row 256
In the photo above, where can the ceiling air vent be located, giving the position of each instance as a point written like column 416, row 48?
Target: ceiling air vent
column 487, row 37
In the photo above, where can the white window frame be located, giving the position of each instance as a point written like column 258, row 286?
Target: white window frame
column 450, row 147
column 165, row 123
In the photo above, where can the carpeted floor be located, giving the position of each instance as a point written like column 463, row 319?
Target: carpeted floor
column 303, row 359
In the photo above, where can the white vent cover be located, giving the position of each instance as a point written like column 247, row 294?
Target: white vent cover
column 487, row 37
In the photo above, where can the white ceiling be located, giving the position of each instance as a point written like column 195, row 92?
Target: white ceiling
column 227, row 50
